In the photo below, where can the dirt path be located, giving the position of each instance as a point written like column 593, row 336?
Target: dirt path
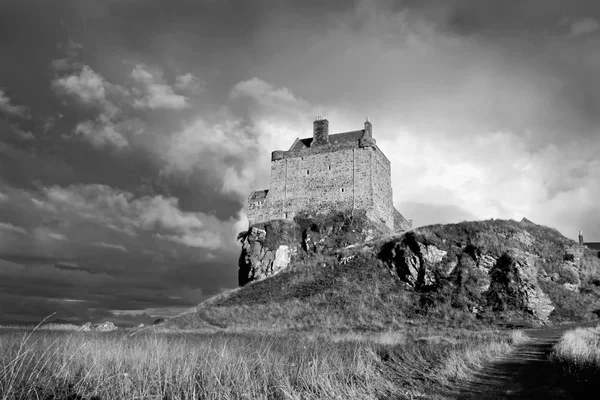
column 525, row 373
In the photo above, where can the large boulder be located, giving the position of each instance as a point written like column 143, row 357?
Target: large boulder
column 86, row 327
column 106, row 327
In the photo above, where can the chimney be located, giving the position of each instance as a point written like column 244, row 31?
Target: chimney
column 320, row 132
column 581, row 238
column 368, row 130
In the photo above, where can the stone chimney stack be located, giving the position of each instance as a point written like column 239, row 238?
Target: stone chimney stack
column 320, row 132
column 368, row 130
column 581, row 242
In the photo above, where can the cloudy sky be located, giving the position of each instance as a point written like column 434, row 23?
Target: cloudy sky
column 132, row 131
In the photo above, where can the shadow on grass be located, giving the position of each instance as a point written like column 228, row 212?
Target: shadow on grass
column 527, row 373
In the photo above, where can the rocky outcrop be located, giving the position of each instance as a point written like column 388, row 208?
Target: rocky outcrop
column 260, row 258
column 487, row 266
column 513, row 284
column 86, row 327
column 106, row 327
column 102, row 327
column 269, row 248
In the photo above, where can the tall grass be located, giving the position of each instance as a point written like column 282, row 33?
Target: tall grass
column 77, row 365
column 577, row 358
column 578, row 350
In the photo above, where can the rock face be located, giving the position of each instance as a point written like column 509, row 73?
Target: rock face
column 506, row 264
column 106, row 327
column 86, row 327
column 269, row 248
column 513, row 282
column 496, row 266
column 260, row 259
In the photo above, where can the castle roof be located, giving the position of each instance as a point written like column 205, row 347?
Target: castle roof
column 593, row 245
column 336, row 138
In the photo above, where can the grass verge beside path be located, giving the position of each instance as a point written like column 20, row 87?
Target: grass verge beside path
column 577, row 355
column 93, row 365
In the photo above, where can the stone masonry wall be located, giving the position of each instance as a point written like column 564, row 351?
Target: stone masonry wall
column 328, row 178
column 382, row 190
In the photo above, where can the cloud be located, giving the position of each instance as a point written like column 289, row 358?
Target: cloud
column 110, row 246
column 111, row 127
column 156, row 92
column 157, row 215
column 12, row 130
column 584, row 26
column 71, row 50
column 102, row 132
column 232, row 147
column 86, row 85
column 188, row 82
column 57, row 236
column 8, row 108
column 12, row 228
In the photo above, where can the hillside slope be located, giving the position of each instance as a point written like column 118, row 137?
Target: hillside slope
column 467, row 274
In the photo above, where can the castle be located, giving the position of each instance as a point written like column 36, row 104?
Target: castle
column 337, row 172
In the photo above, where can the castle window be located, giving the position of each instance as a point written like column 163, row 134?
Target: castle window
column 285, row 215
column 329, row 167
column 307, row 172
column 342, row 190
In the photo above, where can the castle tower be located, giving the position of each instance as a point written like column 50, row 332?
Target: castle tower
column 320, row 132
column 581, row 238
column 343, row 171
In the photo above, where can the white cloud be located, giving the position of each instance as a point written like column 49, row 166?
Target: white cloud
column 102, row 132
column 7, row 226
column 119, row 247
column 8, row 108
column 235, row 149
column 157, row 215
column 156, row 92
column 269, row 97
column 57, row 236
column 188, row 82
column 87, row 85
column 583, row 26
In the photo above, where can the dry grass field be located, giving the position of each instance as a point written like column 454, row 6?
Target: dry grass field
column 60, row 365
column 577, row 355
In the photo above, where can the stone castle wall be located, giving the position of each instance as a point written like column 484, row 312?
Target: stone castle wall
column 326, row 178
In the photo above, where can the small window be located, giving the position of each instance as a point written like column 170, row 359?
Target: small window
column 329, row 167
column 285, row 215
column 307, row 172
column 342, row 190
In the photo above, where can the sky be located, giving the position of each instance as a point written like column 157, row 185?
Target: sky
column 132, row 131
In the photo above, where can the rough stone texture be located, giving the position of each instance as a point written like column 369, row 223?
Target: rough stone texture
column 106, row 327
column 344, row 171
column 520, row 275
column 258, row 261
column 412, row 261
column 268, row 251
column 509, row 281
column 86, row 327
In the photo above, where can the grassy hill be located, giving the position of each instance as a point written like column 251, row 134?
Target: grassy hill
column 470, row 274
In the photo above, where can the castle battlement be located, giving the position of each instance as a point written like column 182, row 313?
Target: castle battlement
column 325, row 173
